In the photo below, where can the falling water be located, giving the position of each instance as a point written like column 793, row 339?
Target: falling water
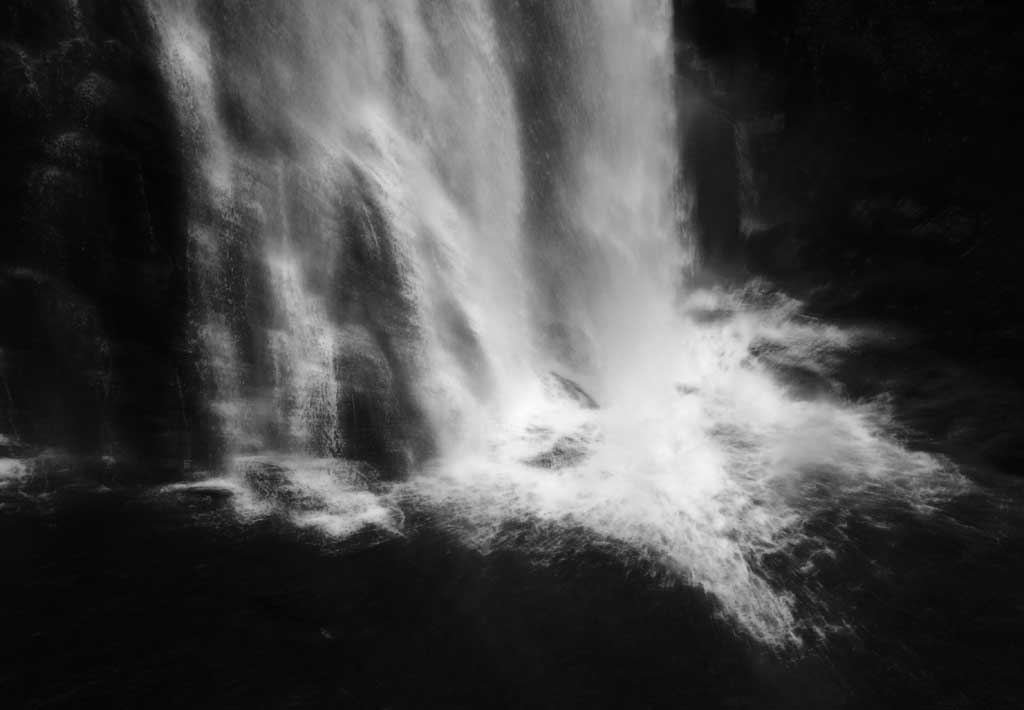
column 461, row 224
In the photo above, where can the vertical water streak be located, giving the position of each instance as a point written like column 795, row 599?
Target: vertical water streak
column 397, row 113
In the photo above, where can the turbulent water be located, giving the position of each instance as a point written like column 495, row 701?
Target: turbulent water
column 463, row 224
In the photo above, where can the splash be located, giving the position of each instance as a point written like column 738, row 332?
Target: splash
column 708, row 459
column 462, row 223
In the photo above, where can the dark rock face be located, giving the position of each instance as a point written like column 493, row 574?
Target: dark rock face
column 711, row 167
column 379, row 419
column 876, row 149
column 571, row 449
column 92, row 263
column 379, row 416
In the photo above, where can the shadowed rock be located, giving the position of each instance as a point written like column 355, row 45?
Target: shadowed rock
column 571, row 390
column 96, row 358
column 567, row 451
column 272, row 483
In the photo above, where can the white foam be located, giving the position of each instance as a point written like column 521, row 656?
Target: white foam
column 12, row 470
column 707, row 478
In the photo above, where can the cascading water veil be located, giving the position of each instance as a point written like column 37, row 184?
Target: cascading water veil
column 462, row 224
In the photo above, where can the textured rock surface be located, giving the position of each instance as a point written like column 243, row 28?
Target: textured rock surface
column 92, row 259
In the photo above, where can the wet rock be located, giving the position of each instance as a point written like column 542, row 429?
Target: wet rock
column 573, row 391
column 55, row 361
column 272, row 483
column 803, row 382
column 75, row 150
column 713, row 172
column 91, row 204
column 48, row 470
column 567, row 451
column 711, row 315
column 24, row 90
column 380, row 423
column 11, row 448
column 369, row 415
column 96, row 98
column 202, row 499
column 204, row 495
column 953, row 226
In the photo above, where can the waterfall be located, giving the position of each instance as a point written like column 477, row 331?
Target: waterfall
column 448, row 239
column 391, row 136
column 357, row 195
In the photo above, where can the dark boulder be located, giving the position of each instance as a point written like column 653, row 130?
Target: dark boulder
column 567, row 388
column 272, row 483
column 379, row 420
column 567, row 451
